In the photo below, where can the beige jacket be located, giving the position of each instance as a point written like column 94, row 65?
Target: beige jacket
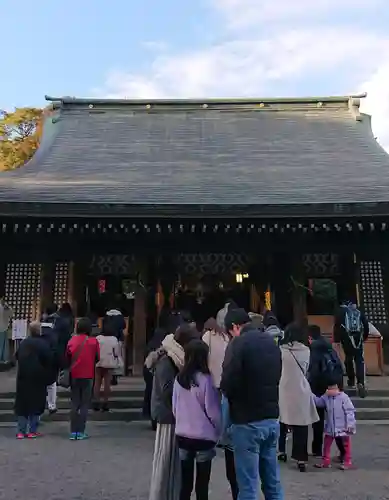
column 297, row 406
column 217, row 344
column 109, row 351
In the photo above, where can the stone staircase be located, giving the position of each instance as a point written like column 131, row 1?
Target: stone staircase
column 126, row 403
column 127, row 399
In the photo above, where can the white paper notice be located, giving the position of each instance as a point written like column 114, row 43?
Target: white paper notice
column 19, row 329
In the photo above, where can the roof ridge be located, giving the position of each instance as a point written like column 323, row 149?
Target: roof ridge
column 207, row 100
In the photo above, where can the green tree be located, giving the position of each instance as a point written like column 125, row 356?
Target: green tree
column 20, row 132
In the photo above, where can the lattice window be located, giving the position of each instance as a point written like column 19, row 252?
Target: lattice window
column 23, row 288
column 212, row 263
column 61, row 283
column 372, row 290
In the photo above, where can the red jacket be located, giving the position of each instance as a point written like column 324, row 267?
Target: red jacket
column 87, row 356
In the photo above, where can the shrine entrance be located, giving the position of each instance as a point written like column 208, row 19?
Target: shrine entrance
column 111, row 282
column 205, row 281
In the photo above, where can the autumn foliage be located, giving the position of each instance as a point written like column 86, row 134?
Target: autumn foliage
column 20, row 132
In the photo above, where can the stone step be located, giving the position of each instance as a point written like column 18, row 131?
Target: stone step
column 135, row 414
column 64, row 403
column 122, row 415
column 373, row 393
column 372, row 414
column 371, row 402
column 136, row 392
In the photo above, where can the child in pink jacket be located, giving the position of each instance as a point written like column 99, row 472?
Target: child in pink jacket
column 339, row 423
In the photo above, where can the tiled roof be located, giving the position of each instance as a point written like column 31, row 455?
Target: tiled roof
column 208, row 152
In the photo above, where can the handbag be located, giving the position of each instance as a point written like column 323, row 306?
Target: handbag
column 119, row 364
column 64, row 376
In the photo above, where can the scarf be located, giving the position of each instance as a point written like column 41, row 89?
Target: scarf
column 174, row 350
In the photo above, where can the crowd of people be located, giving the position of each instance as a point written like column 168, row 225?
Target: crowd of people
column 60, row 352
column 243, row 385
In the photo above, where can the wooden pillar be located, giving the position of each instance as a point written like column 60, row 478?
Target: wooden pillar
column 140, row 323
column 299, row 290
column 71, row 288
column 47, row 286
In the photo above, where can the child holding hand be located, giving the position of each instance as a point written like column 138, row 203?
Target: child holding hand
column 339, row 424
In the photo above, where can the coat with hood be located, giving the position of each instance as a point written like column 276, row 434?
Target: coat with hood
column 221, row 315
column 272, row 327
column 165, row 363
column 297, row 406
column 339, row 413
column 318, row 375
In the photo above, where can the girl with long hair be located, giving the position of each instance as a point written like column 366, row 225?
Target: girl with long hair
column 196, row 407
column 165, row 364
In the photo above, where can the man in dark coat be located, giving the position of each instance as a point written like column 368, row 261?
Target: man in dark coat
column 34, row 364
column 53, row 327
column 250, row 382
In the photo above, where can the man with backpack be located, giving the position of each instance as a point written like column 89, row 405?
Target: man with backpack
column 351, row 330
column 325, row 367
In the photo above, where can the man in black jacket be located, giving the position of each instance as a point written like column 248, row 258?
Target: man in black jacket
column 51, row 334
column 351, row 329
column 250, row 380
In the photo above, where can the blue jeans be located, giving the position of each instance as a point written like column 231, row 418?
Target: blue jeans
column 30, row 422
column 255, row 452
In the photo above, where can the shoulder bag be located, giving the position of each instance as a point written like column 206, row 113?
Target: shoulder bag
column 64, row 376
column 301, row 368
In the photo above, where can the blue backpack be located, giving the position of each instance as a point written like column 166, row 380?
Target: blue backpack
column 353, row 325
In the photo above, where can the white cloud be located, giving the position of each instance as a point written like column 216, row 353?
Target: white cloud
column 245, row 13
column 377, row 103
column 264, row 56
column 244, row 67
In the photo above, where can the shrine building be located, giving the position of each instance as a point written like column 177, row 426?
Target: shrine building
column 283, row 202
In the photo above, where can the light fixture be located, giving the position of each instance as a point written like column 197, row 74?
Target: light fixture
column 239, row 278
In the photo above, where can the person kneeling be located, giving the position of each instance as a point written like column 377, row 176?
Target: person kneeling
column 197, row 410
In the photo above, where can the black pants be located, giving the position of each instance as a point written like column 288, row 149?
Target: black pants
column 230, row 472
column 354, row 356
column 318, row 429
column 203, row 475
column 81, row 395
column 299, row 444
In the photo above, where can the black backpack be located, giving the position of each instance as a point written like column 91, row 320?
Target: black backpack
column 331, row 367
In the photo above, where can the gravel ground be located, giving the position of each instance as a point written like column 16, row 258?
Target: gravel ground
column 115, row 465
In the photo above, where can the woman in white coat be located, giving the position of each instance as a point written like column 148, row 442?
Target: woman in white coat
column 297, row 407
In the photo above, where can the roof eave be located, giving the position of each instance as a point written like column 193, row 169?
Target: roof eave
column 112, row 210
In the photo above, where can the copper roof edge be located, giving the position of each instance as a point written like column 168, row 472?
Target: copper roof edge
column 206, row 100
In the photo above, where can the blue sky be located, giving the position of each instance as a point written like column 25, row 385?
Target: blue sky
column 171, row 48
